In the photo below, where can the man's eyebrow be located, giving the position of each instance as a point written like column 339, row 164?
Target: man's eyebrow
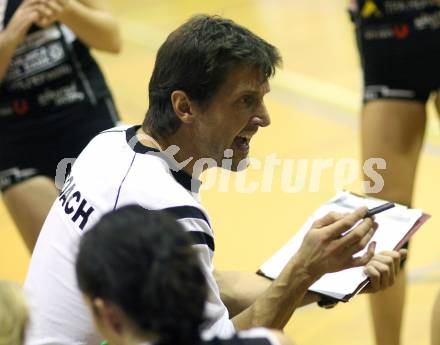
column 248, row 93
column 252, row 92
column 245, row 93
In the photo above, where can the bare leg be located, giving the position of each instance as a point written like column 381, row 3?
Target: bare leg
column 435, row 322
column 28, row 204
column 393, row 130
column 437, row 103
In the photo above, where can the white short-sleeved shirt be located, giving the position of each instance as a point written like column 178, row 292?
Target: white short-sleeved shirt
column 113, row 170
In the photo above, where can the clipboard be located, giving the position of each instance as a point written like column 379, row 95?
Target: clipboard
column 344, row 285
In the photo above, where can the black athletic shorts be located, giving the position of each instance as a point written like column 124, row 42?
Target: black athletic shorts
column 399, row 48
column 34, row 145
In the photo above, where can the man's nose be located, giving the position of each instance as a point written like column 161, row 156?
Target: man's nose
column 262, row 119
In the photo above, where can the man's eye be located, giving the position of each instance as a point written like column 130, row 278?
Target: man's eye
column 247, row 100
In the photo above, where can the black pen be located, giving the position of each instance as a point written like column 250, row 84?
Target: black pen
column 379, row 209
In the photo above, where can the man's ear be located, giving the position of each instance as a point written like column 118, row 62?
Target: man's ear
column 108, row 315
column 183, row 107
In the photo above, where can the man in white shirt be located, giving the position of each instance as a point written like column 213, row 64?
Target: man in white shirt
column 206, row 97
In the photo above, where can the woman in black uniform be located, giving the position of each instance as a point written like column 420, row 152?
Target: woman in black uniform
column 399, row 47
column 53, row 98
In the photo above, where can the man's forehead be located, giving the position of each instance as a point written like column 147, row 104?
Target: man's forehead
column 242, row 79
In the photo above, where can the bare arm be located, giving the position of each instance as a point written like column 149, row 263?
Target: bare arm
column 239, row 290
column 324, row 249
column 276, row 305
column 90, row 20
column 15, row 32
column 7, row 49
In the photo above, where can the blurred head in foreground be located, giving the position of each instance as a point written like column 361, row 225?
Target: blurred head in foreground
column 141, row 278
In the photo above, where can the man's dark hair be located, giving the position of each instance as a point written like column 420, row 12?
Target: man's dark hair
column 195, row 58
column 142, row 261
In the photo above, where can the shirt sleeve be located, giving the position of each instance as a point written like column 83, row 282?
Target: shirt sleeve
column 258, row 336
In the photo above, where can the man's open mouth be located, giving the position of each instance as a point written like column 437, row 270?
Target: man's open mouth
column 242, row 142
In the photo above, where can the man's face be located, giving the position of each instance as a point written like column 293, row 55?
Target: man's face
column 233, row 116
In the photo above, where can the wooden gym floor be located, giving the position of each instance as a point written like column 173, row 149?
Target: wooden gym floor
column 314, row 107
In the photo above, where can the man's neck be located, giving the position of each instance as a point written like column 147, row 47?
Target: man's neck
column 177, row 148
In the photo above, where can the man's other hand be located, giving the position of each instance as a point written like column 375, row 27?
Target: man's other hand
column 383, row 269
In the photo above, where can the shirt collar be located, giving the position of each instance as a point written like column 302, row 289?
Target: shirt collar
column 183, row 178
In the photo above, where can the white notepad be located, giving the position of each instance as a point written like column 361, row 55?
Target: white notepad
column 395, row 227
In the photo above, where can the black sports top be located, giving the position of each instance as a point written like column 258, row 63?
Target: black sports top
column 50, row 70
